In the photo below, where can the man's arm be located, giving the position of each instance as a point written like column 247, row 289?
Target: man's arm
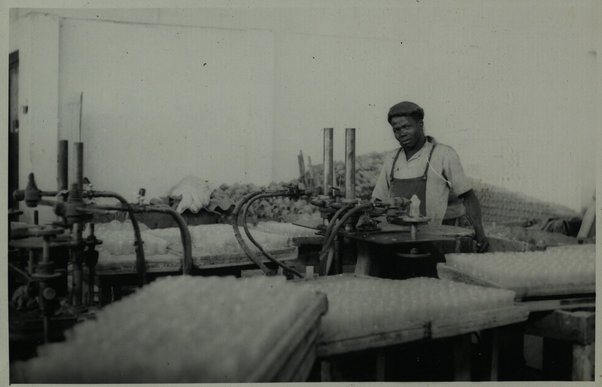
column 473, row 212
column 381, row 188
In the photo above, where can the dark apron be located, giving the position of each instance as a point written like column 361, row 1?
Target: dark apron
column 405, row 188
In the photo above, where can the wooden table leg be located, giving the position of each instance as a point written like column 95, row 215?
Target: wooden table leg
column 362, row 265
column 462, row 357
column 380, row 366
column 325, row 371
column 495, row 355
column 583, row 362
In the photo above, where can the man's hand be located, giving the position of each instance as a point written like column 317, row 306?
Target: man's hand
column 482, row 243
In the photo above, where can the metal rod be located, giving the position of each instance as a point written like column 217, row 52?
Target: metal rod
column 81, row 108
column 77, row 259
column 327, row 161
column 45, row 250
column 62, row 178
column 350, row 163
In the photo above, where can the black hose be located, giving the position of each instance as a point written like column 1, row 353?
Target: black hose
column 324, row 253
column 238, row 236
column 252, row 239
column 336, row 215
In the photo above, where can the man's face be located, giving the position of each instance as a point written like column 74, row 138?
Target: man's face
column 407, row 131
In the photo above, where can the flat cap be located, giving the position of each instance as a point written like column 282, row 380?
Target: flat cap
column 406, row 108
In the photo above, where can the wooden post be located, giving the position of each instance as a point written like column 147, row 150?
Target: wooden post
column 583, row 362
column 302, row 178
column 380, row 366
column 350, row 163
column 327, row 164
column 362, row 266
column 62, row 177
column 462, row 358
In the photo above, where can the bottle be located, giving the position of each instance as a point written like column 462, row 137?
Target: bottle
column 414, row 207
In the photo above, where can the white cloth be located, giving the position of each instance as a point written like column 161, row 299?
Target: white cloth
column 445, row 172
column 194, row 193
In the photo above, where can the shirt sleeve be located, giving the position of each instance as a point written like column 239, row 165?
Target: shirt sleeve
column 453, row 171
column 381, row 189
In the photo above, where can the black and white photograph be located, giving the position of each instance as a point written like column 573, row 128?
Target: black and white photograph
column 301, row 192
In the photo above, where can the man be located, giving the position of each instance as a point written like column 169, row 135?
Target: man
column 426, row 169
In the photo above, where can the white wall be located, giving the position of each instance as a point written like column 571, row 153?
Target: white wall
column 511, row 86
column 37, row 38
column 163, row 102
column 512, row 89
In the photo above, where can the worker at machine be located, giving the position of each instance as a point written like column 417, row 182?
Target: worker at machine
column 427, row 169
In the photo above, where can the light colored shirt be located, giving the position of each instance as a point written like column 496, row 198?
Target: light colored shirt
column 445, row 173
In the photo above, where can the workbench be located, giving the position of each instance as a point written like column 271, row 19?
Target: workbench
column 400, row 332
column 376, row 252
column 562, row 315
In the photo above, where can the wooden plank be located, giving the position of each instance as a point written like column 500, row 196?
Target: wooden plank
column 171, row 262
column 562, row 303
column 284, row 346
column 452, row 273
column 445, row 271
column 308, row 343
column 476, row 321
column 500, row 245
column 577, row 327
column 377, row 340
column 307, row 240
column 240, row 259
column 588, row 221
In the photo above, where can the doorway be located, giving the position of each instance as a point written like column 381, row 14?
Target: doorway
column 13, row 128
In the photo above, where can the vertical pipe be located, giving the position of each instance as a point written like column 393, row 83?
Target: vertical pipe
column 327, row 161
column 77, row 273
column 350, row 163
column 78, row 251
column 79, row 164
column 62, row 176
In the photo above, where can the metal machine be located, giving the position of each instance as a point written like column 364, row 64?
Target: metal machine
column 345, row 216
column 44, row 281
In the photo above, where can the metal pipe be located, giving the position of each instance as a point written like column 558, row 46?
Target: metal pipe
column 138, row 247
column 77, row 259
column 62, row 178
column 324, row 265
column 327, row 161
column 184, row 232
column 248, row 233
column 350, row 163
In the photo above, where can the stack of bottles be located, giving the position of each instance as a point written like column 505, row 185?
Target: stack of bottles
column 555, row 267
column 175, row 330
column 365, row 306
